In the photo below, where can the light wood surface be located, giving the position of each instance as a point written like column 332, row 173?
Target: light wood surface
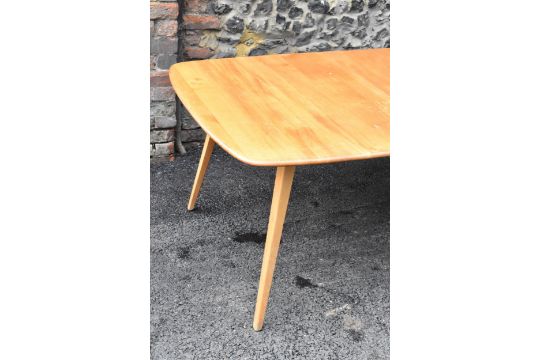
column 292, row 109
column 201, row 170
column 280, row 200
column 288, row 110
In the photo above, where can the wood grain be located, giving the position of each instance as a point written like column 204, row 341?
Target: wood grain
column 201, row 171
column 292, row 109
column 278, row 211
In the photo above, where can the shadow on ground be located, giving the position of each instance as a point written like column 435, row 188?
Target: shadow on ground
column 330, row 296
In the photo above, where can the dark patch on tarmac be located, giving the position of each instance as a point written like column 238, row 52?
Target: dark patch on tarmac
column 182, row 252
column 253, row 237
column 303, row 282
column 356, row 335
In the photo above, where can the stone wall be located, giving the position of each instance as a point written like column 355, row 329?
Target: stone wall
column 229, row 28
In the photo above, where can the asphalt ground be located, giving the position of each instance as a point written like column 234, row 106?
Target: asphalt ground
column 330, row 296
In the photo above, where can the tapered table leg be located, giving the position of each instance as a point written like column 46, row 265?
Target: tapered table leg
column 280, row 200
column 201, row 170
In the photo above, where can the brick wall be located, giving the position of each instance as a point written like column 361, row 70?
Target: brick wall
column 198, row 19
column 163, row 53
column 229, row 28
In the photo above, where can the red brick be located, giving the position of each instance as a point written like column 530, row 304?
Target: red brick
column 163, row 11
column 162, row 136
column 196, row 6
column 198, row 53
column 164, row 149
column 159, row 79
column 166, row 27
column 201, row 22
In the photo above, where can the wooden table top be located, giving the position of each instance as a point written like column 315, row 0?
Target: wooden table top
column 292, row 109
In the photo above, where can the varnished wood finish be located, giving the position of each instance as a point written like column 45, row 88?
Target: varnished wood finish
column 292, row 109
column 288, row 110
column 201, row 170
column 280, row 200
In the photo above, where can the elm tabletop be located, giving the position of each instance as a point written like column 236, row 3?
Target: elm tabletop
column 288, row 110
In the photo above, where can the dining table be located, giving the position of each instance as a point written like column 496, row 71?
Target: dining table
column 284, row 111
